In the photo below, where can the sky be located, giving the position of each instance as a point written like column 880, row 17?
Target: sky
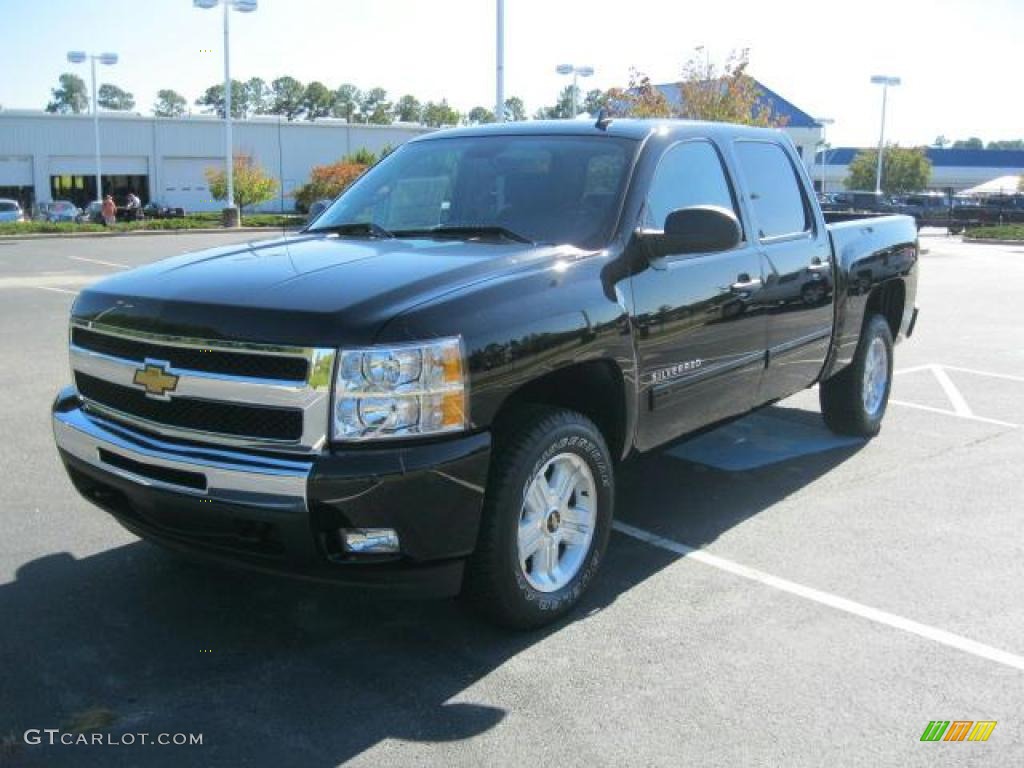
column 958, row 59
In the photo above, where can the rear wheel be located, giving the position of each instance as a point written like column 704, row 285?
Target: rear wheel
column 546, row 521
column 853, row 402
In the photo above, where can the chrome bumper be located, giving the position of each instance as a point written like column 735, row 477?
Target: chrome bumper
column 214, row 474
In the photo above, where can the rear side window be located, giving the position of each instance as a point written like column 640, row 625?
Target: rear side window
column 777, row 200
column 688, row 174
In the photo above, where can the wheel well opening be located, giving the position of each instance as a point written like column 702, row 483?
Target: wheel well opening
column 594, row 388
column 889, row 300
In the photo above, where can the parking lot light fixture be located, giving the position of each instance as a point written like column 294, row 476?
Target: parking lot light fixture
column 242, row 6
column 576, row 72
column 885, row 81
column 108, row 59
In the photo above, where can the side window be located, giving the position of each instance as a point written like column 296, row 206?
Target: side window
column 689, row 174
column 776, row 196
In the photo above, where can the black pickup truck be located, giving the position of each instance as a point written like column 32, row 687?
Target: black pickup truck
column 430, row 387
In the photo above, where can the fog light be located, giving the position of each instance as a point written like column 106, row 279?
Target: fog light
column 370, row 541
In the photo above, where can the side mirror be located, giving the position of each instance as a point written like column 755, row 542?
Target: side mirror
column 698, row 229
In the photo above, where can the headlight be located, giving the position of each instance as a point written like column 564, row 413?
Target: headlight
column 400, row 391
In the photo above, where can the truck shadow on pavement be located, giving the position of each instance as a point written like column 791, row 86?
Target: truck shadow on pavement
column 281, row 672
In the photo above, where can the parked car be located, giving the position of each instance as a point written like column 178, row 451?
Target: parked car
column 92, row 213
column 58, row 211
column 155, row 210
column 10, row 211
column 431, row 386
column 928, row 209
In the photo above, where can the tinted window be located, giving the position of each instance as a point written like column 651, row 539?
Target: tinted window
column 7, row 207
column 688, row 174
column 550, row 189
column 775, row 195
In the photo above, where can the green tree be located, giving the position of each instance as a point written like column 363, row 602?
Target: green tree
column 213, row 100
column 1016, row 144
column 287, row 98
column 941, row 142
column 563, row 108
column 317, row 100
column 70, row 96
column 257, row 96
column 375, row 107
column 903, row 170
column 972, row 143
column 724, row 95
column 252, row 184
column 169, row 104
column 594, row 101
column 408, row 109
column 346, row 102
column 115, row 99
column 515, row 110
column 438, row 114
column 480, row 115
column 640, row 98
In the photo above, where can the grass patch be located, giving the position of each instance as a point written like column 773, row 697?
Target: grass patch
column 1005, row 232
column 192, row 221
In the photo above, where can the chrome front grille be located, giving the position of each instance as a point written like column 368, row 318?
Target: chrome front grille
column 225, row 393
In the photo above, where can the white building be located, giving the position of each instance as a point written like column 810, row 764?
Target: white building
column 955, row 169
column 46, row 157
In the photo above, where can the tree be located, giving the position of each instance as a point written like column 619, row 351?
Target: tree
column 70, row 96
column 113, row 98
column 515, row 110
column 903, row 170
column 317, row 100
column 213, row 100
column 252, row 184
column 346, row 102
column 257, row 96
column 940, row 141
column 438, row 114
column 408, row 109
column 595, row 101
column 728, row 95
column 328, row 181
column 1016, row 144
column 640, row 99
column 287, row 97
column 563, row 107
column 972, row 143
column 375, row 107
column 480, row 115
column 169, row 104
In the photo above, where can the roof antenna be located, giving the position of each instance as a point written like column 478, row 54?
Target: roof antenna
column 603, row 119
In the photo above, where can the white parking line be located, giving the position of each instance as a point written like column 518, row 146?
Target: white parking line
column 961, row 409
column 824, row 598
column 100, row 261
column 944, row 412
column 960, row 405
column 55, row 290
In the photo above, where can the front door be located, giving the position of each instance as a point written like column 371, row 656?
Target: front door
column 699, row 331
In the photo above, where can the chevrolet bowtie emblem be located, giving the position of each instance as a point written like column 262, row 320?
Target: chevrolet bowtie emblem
column 155, row 379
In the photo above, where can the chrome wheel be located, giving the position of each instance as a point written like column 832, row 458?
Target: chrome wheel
column 556, row 522
column 876, row 376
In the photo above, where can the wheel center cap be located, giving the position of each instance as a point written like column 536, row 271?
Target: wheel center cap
column 553, row 521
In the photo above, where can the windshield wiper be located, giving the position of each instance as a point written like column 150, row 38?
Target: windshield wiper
column 467, row 232
column 367, row 228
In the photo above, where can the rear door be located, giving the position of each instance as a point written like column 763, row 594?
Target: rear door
column 793, row 242
column 699, row 335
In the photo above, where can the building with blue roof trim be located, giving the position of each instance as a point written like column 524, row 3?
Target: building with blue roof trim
column 951, row 168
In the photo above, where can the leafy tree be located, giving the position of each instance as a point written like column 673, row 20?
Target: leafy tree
column 258, row 96
column 287, row 99
column 346, row 102
column 169, row 104
column 1017, row 144
column 361, row 156
column 640, row 99
column 595, row 101
column 563, row 108
column 70, row 96
column 375, row 107
column 328, row 181
column 317, row 100
column 480, row 115
column 115, row 99
column 940, row 141
column 903, row 170
column 408, row 109
column 252, row 184
column 726, row 95
column 438, row 114
column 515, row 110
column 213, row 100
column 972, row 143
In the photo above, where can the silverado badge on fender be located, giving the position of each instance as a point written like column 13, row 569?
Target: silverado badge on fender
column 155, row 379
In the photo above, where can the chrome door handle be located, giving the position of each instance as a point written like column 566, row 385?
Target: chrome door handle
column 745, row 286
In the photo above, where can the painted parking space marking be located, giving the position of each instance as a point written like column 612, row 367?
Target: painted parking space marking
column 114, row 264
column 852, row 607
column 960, row 408
column 55, row 290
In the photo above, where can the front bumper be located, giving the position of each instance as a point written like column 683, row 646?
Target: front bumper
column 283, row 513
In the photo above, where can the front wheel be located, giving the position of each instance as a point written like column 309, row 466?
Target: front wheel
column 853, row 401
column 546, row 520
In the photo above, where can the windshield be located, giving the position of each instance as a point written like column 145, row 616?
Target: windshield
column 7, row 207
column 546, row 189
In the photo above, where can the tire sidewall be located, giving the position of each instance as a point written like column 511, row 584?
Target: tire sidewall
column 877, row 327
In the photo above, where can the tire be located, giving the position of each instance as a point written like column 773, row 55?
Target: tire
column 853, row 401
column 534, row 446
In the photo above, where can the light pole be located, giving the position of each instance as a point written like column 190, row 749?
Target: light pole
column 824, row 122
column 576, row 72
column 242, row 6
column 109, row 59
column 499, row 98
column 885, row 81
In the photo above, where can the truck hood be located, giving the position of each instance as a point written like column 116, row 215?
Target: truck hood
column 316, row 290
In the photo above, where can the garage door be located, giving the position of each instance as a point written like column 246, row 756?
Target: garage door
column 81, row 165
column 15, row 171
column 184, row 182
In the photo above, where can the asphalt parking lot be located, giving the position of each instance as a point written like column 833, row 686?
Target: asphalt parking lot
column 774, row 596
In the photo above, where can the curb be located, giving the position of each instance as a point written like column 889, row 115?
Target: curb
column 141, row 232
column 989, row 241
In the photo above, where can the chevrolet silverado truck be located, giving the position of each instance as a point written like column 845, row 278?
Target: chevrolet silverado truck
column 430, row 387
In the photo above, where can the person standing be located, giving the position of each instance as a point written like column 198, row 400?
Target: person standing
column 109, row 211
